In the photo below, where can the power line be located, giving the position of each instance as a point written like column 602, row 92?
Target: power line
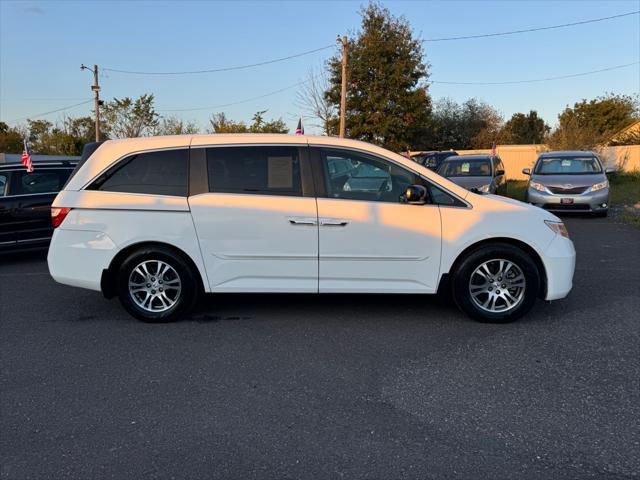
column 222, row 69
column 527, row 30
column 247, row 100
column 538, row 79
column 52, row 111
column 39, row 99
column 326, row 47
column 224, row 105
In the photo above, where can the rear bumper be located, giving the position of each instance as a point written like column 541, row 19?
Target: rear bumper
column 78, row 257
column 586, row 202
column 559, row 261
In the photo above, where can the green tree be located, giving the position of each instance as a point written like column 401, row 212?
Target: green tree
column 590, row 122
column 175, row 126
column 473, row 124
column 526, row 129
column 64, row 138
column 260, row 125
column 127, row 118
column 387, row 99
column 10, row 139
column 221, row 124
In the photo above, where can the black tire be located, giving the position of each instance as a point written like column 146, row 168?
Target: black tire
column 462, row 275
column 189, row 283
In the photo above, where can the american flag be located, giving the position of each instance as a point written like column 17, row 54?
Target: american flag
column 26, row 157
column 300, row 128
column 493, row 150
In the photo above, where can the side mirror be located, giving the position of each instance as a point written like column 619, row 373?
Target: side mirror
column 414, row 195
column 526, row 171
column 499, row 172
column 610, row 170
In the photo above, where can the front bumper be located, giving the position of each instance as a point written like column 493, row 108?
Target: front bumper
column 559, row 262
column 597, row 201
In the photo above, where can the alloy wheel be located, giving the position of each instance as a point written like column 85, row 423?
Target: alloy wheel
column 497, row 285
column 154, row 286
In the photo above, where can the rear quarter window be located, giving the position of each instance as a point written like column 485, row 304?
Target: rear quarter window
column 162, row 172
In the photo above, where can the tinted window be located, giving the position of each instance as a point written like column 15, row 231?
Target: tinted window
column 354, row 176
column 4, row 184
column 254, row 170
column 153, row 173
column 39, row 181
column 568, row 166
column 465, row 168
column 440, row 197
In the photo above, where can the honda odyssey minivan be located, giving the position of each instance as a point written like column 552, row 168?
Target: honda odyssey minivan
column 158, row 221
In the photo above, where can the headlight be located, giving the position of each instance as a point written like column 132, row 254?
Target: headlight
column 538, row 186
column 557, row 227
column 484, row 188
column 600, row 186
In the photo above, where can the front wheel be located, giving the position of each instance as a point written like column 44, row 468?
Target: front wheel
column 496, row 283
column 157, row 285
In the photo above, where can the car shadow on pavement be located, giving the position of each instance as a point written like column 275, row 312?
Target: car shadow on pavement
column 263, row 306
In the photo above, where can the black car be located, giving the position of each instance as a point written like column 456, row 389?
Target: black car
column 25, row 199
column 484, row 173
column 432, row 160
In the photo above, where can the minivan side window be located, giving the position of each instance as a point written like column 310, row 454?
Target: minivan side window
column 163, row 172
column 354, row 176
column 39, row 181
column 263, row 170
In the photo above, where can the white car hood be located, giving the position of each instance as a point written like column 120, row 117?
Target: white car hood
column 491, row 200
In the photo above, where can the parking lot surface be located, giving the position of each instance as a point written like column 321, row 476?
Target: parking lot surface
column 303, row 386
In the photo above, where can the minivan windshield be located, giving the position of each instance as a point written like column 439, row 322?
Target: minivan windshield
column 465, row 168
column 568, row 166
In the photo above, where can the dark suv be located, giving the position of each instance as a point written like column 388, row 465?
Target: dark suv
column 25, row 199
column 432, row 160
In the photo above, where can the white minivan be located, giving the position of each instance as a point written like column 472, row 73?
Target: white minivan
column 157, row 221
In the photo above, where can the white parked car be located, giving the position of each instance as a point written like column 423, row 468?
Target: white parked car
column 157, row 221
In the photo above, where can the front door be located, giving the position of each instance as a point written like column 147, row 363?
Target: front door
column 369, row 240
column 34, row 193
column 257, row 226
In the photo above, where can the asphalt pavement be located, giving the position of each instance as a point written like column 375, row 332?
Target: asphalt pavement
column 337, row 386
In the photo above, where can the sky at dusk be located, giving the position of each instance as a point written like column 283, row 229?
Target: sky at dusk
column 42, row 45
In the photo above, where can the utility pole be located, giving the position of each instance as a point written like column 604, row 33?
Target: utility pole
column 96, row 91
column 343, row 95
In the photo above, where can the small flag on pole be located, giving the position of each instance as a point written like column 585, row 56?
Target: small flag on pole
column 300, row 128
column 26, row 157
column 493, row 150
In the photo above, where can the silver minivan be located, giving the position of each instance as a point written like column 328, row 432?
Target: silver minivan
column 574, row 181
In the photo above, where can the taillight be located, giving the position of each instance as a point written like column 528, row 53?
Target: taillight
column 58, row 214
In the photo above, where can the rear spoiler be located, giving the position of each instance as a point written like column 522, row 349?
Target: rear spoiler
column 87, row 151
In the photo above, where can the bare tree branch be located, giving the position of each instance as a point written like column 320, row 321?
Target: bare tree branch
column 311, row 99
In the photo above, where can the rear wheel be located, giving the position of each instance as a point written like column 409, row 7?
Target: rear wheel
column 496, row 283
column 157, row 285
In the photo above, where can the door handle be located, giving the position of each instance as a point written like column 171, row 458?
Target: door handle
column 302, row 221
column 333, row 222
